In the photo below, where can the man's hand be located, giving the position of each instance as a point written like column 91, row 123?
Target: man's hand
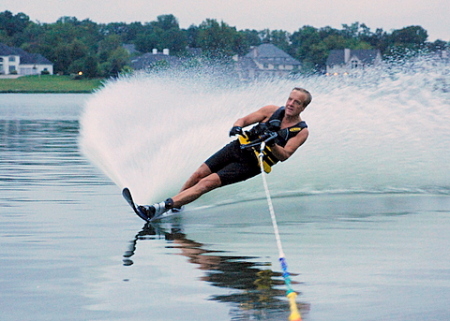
column 236, row 130
column 269, row 138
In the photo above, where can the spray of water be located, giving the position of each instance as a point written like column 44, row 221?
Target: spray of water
column 384, row 131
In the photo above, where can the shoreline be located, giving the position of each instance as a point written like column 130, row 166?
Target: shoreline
column 48, row 84
column 47, row 92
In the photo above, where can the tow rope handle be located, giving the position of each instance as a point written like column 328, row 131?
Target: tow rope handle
column 264, row 139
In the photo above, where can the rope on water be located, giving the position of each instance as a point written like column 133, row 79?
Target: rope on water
column 290, row 293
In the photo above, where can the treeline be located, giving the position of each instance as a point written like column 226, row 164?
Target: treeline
column 97, row 49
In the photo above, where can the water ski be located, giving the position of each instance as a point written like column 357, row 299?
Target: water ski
column 137, row 209
column 127, row 196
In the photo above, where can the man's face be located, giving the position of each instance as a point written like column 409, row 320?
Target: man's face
column 295, row 102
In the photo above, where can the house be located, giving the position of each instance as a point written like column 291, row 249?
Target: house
column 265, row 61
column 347, row 61
column 443, row 55
column 154, row 59
column 15, row 61
column 131, row 49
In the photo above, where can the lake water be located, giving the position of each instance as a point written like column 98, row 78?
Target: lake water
column 365, row 239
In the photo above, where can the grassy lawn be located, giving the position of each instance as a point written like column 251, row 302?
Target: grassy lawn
column 48, row 84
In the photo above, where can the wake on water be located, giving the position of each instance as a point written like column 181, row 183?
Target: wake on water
column 385, row 131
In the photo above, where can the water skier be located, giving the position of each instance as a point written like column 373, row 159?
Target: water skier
column 281, row 128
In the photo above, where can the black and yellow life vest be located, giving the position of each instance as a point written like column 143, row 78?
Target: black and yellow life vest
column 273, row 125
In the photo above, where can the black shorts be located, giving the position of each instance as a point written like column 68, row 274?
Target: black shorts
column 233, row 164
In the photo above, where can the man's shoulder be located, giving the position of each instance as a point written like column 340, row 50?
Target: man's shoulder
column 270, row 109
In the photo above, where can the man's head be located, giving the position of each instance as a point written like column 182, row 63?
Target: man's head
column 308, row 96
column 298, row 99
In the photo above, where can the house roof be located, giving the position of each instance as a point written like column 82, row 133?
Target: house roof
column 11, row 51
column 25, row 57
column 246, row 63
column 337, row 56
column 269, row 53
column 148, row 59
column 34, row 59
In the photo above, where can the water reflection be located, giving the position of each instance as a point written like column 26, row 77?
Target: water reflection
column 256, row 291
column 40, row 152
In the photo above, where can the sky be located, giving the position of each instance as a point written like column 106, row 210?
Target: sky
column 287, row 15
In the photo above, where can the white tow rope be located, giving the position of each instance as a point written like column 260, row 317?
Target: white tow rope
column 269, row 201
column 290, row 293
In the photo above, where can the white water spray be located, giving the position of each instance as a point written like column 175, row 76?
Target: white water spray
column 387, row 131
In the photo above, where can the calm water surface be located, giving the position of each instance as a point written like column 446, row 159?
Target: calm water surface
column 71, row 249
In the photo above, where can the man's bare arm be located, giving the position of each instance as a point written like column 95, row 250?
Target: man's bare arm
column 283, row 153
column 261, row 115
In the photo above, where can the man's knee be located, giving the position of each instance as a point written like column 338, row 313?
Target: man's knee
column 202, row 172
column 209, row 183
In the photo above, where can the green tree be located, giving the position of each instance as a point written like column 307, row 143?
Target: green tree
column 312, row 46
column 351, row 31
column 318, row 55
column 378, row 39
column 192, row 36
column 91, row 67
column 148, row 40
column 30, row 38
column 120, row 29
column 164, row 33
column 78, row 49
column 406, row 42
column 437, row 45
column 134, row 29
column 217, row 40
column 280, row 39
column 4, row 37
column 106, row 46
column 84, row 45
column 166, row 22
column 412, row 35
column 251, row 37
column 305, row 47
column 88, row 32
column 175, row 40
column 328, row 31
column 241, row 45
column 61, row 57
column 13, row 24
column 76, row 67
column 116, row 62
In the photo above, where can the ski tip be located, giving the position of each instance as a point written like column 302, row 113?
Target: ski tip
column 125, row 191
column 127, row 196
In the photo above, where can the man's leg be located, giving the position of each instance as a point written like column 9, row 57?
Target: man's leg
column 203, row 186
column 201, row 182
column 200, row 173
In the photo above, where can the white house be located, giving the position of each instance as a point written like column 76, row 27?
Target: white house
column 347, row 61
column 19, row 62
